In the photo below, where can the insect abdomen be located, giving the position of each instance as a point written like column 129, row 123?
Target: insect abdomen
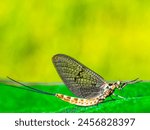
column 79, row 101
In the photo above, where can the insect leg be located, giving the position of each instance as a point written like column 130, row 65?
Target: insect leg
column 129, row 82
column 111, row 97
column 118, row 96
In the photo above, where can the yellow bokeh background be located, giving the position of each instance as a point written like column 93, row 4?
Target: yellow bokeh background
column 111, row 37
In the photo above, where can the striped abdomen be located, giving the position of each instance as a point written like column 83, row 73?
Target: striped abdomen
column 86, row 102
column 80, row 101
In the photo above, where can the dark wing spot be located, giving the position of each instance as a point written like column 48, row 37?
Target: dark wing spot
column 79, row 75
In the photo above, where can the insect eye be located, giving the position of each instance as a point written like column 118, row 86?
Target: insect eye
column 110, row 84
column 107, row 87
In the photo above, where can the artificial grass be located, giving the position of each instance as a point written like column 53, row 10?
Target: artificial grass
column 13, row 100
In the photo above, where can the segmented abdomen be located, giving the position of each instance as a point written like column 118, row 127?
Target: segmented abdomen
column 80, row 101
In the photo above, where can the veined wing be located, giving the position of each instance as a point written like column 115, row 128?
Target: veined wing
column 82, row 81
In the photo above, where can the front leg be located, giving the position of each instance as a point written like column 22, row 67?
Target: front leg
column 118, row 96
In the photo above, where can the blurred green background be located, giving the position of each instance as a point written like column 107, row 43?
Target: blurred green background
column 111, row 37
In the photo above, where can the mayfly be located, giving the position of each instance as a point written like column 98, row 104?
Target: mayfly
column 89, row 87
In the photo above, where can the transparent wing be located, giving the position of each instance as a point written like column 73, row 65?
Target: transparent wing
column 82, row 81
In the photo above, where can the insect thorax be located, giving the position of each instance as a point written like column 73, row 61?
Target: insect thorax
column 108, row 90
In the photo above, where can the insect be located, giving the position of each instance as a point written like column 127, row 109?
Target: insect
column 89, row 87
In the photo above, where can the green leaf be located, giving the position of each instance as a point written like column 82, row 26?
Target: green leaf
column 137, row 99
